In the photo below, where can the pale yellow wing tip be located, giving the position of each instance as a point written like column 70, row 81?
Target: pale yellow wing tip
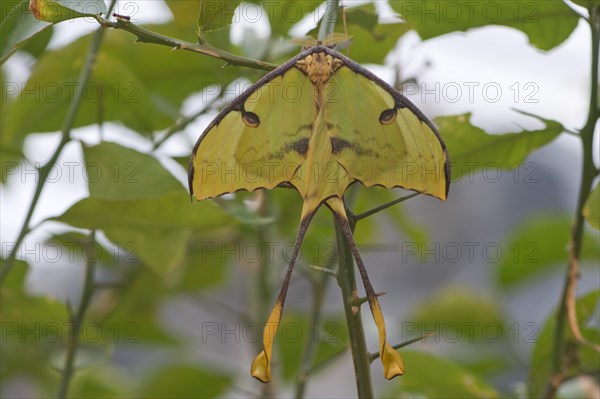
column 260, row 369
column 393, row 365
column 439, row 195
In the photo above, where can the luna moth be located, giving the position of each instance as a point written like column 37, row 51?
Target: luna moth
column 320, row 123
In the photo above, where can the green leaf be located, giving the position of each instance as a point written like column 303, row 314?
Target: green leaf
column 160, row 249
column 62, row 10
column 285, row 205
column 169, row 211
column 460, row 314
column 185, row 17
column 36, row 365
column 580, row 357
column 155, row 229
column 19, row 307
column 31, row 325
column 185, row 381
column 365, row 17
column 117, row 172
column 134, row 309
column 100, row 381
column 10, row 151
column 547, row 23
column 129, row 84
column 216, row 14
column 115, row 91
column 11, row 160
column 37, row 47
column 371, row 41
column 18, row 27
column 591, row 210
column 284, row 15
column 490, row 364
column 471, row 149
column 16, row 278
column 432, row 377
column 76, row 247
column 537, row 246
column 329, row 337
column 136, row 318
column 375, row 196
column 238, row 208
column 208, row 259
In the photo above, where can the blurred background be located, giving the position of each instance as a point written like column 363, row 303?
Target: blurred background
column 183, row 289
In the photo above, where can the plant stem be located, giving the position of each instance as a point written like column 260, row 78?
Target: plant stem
column 329, row 19
column 358, row 345
column 147, row 36
column 566, row 312
column 76, row 322
column 179, row 125
column 45, row 170
column 345, row 272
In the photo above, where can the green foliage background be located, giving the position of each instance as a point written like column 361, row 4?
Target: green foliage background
column 136, row 204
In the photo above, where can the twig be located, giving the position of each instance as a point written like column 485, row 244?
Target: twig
column 325, row 270
column 567, row 308
column 382, row 207
column 376, row 355
column 147, row 36
column 589, row 169
column 571, row 304
column 76, row 324
column 179, row 125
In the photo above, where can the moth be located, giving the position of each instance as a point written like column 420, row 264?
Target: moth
column 320, row 123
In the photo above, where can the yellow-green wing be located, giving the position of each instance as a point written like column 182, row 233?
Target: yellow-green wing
column 380, row 138
column 259, row 140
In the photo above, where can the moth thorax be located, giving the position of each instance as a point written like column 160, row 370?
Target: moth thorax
column 319, row 67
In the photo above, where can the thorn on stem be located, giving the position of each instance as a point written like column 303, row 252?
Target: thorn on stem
column 119, row 16
column 361, row 300
column 323, row 270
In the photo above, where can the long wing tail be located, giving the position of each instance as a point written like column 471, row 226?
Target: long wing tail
column 392, row 362
column 261, row 365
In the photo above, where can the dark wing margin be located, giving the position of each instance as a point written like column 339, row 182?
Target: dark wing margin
column 400, row 100
column 238, row 105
